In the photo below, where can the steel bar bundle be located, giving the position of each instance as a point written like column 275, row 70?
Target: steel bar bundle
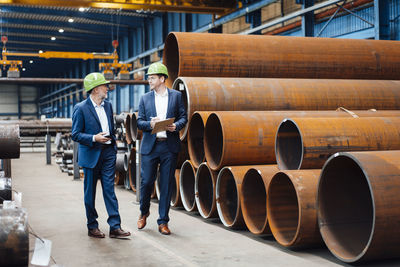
column 254, row 198
column 358, row 205
column 291, row 208
column 235, row 94
column 306, row 143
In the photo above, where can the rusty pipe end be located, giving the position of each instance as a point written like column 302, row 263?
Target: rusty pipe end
column 127, row 126
column 175, row 196
column 214, row 142
column 132, row 126
column 196, row 140
column 228, row 198
column 181, row 86
column 204, row 188
column 171, row 57
column 346, row 211
column 254, row 202
column 132, row 169
column 283, row 209
column 289, row 148
column 186, row 186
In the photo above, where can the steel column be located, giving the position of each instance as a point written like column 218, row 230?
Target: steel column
column 382, row 19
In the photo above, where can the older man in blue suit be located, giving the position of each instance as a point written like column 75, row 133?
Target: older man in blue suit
column 161, row 148
column 93, row 129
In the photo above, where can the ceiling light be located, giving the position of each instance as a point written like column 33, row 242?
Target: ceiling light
column 31, row 61
column 23, row 69
column 81, row 9
column 53, row 38
column 61, row 30
column 70, row 20
column 40, row 51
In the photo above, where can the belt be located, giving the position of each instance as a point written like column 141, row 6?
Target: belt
column 104, row 146
column 161, row 139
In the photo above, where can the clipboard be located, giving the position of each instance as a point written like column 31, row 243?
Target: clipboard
column 159, row 126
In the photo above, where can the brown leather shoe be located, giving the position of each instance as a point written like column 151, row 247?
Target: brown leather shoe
column 95, row 232
column 163, row 229
column 141, row 223
column 119, row 233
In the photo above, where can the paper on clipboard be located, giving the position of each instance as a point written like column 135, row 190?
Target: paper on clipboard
column 160, row 125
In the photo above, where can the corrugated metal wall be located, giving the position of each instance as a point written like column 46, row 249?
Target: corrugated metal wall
column 18, row 102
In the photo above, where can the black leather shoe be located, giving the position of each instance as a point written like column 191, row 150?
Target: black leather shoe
column 95, row 232
column 119, row 233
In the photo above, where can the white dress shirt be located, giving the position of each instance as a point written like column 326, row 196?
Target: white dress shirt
column 101, row 113
column 161, row 102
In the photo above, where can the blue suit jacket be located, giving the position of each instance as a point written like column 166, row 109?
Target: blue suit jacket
column 147, row 109
column 85, row 124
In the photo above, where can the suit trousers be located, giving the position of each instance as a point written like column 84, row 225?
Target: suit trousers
column 105, row 172
column 160, row 154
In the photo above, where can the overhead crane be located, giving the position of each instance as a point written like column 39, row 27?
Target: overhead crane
column 121, row 69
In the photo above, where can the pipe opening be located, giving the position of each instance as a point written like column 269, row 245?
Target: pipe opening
column 204, row 190
column 171, row 57
column 345, row 208
column 174, row 190
column 186, row 183
column 213, row 138
column 127, row 125
column 132, row 170
column 133, row 130
column 288, row 146
column 227, row 194
column 254, row 204
column 283, row 208
column 195, row 142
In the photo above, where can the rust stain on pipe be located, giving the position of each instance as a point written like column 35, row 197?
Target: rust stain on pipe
column 253, row 198
column 186, row 186
column 306, row 143
column 9, row 141
column 253, row 134
column 204, row 187
column 233, row 55
column 358, row 205
column 195, row 137
column 291, row 208
column 235, row 94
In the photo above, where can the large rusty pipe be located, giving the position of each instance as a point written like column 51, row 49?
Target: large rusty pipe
column 121, row 163
column 254, row 198
column 234, row 55
column 253, row 134
column 128, row 133
column 306, row 143
column 14, row 237
column 228, row 194
column 195, row 137
column 235, row 94
column 204, row 187
column 136, row 134
column 175, row 197
column 186, row 185
column 132, row 169
column 291, row 208
column 9, row 141
column 183, row 155
column 358, row 204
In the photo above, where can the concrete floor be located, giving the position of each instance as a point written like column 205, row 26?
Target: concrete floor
column 56, row 212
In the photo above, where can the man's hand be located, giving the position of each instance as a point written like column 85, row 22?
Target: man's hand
column 171, row 127
column 100, row 138
column 153, row 121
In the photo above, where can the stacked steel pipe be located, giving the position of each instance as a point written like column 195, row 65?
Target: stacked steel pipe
column 239, row 90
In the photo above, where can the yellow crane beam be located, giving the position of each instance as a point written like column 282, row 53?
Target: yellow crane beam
column 204, row 6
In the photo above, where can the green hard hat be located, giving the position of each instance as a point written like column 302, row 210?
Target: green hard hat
column 93, row 80
column 157, row 68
